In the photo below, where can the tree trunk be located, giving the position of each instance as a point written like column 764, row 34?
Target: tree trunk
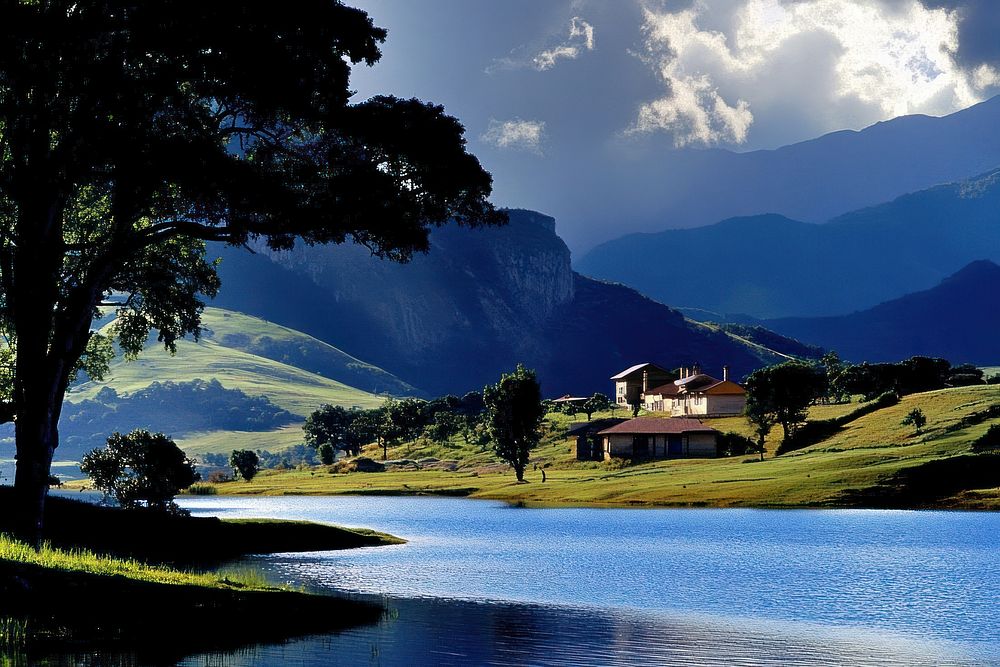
column 519, row 472
column 37, row 438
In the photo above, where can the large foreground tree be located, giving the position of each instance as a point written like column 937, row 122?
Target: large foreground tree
column 132, row 133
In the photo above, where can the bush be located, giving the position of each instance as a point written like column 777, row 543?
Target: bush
column 202, row 490
column 616, row 463
column 141, row 469
column 735, row 444
column 327, row 454
column 989, row 441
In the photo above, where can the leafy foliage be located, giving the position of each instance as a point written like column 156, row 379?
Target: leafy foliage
column 783, row 393
column 141, row 469
column 514, row 416
column 595, row 403
column 915, row 418
column 245, row 463
column 131, row 135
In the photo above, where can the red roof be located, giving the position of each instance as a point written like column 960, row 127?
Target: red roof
column 654, row 425
column 669, row 389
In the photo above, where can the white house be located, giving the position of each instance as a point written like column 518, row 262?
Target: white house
column 697, row 394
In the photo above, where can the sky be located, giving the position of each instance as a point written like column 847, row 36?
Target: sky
column 562, row 98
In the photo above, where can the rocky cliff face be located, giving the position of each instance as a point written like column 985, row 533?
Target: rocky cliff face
column 480, row 283
column 478, row 303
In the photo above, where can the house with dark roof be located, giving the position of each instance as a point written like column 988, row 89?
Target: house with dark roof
column 632, row 382
column 696, row 393
column 658, row 438
column 588, row 445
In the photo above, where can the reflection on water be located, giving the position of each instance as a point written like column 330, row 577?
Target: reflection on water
column 484, row 583
column 438, row 632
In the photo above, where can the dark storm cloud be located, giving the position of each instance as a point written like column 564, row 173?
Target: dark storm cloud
column 979, row 30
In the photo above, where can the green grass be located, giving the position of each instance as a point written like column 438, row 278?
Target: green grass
column 295, row 389
column 85, row 561
column 223, row 442
column 866, row 452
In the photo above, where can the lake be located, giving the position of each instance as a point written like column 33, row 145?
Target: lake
column 486, row 583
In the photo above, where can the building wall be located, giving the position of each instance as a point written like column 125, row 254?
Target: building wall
column 627, row 392
column 702, row 444
column 726, row 404
column 696, row 445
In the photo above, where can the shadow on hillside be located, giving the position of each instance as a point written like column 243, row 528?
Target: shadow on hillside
column 929, row 483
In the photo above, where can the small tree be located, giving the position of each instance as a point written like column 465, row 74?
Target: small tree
column 141, row 469
column 916, row 419
column 245, row 463
column 327, row 454
column 595, row 403
column 514, row 415
column 761, row 420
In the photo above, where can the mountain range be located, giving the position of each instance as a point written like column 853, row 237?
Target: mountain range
column 477, row 304
column 957, row 319
column 811, row 181
column 770, row 266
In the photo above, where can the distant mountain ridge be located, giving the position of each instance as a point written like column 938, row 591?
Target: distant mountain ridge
column 477, row 304
column 959, row 320
column 770, row 266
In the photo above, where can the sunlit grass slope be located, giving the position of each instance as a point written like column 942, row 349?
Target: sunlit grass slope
column 866, row 452
column 226, row 352
column 291, row 388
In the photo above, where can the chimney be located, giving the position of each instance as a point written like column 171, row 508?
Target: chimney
column 696, row 370
column 645, row 381
column 725, row 373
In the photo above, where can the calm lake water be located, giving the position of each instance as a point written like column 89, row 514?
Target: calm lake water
column 486, row 583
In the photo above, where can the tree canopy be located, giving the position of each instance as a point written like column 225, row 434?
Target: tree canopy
column 141, row 469
column 782, row 394
column 133, row 133
column 514, row 415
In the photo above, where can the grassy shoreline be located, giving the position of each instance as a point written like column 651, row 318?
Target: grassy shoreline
column 144, row 583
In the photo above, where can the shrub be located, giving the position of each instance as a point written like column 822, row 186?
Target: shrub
column 141, row 469
column 219, row 476
column 616, row 463
column 202, row 490
column 327, row 454
column 735, row 444
column 989, row 441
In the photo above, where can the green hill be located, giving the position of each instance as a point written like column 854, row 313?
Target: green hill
column 258, row 382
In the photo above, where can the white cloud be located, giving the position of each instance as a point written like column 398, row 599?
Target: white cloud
column 516, row 134
column 581, row 38
column 874, row 61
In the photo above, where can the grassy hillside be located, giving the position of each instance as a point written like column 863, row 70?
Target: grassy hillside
column 261, row 338
column 864, row 455
column 243, row 353
column 294, row 389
